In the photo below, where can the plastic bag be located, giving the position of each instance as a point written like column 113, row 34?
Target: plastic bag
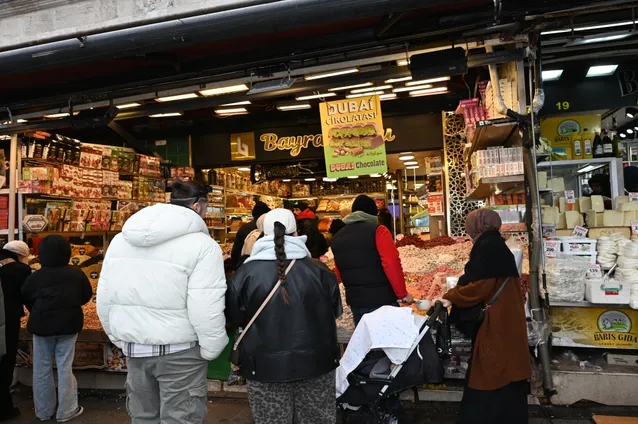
column 566, row 278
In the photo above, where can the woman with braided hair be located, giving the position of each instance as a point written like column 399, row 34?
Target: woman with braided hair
column 290, row 352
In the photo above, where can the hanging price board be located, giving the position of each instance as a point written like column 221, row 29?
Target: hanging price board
column 551, row 248
column 593, row 271
column 634, row 227
column 579, row 231
column 633, row 197
column 569, row 196
column 549, row 230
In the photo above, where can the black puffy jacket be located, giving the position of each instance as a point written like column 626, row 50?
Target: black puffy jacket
column 55, row 294
column 287, row 342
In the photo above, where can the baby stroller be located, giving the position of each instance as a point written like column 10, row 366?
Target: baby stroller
column 375, row 385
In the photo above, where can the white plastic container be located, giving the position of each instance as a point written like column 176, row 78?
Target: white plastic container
column 579, row 246
column 607, row 292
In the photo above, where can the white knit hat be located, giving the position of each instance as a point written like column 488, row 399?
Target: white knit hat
column 284, row 216
column 18, row 247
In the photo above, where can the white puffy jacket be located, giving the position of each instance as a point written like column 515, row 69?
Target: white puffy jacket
column 163, row 282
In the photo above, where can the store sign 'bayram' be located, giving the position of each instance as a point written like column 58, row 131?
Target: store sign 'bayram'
column 295, row 144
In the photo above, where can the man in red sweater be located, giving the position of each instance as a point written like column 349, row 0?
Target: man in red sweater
column 367, row 261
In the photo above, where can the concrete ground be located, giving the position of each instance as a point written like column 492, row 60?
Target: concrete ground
column 109, row 407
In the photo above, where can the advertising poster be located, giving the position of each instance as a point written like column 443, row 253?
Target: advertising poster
column 353, row 137
column 562, row 131
column 613, row 328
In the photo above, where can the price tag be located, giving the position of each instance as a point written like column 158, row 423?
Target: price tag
column 634, row 227
column 551, row 248
column 633, row 197
column 579, row 231
column 549, row 230
column 593, row 271
column 569, row 196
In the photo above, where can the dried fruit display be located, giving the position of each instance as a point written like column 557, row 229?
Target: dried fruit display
column 413, row 240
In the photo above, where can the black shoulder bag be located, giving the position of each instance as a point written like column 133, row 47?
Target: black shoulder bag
column 489, row 304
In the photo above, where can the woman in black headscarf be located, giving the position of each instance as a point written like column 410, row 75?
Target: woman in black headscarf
column 497, row 378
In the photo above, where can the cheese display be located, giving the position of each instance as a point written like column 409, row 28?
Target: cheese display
column 542, row 179
column 562, row 204
column 584, row 204
column 613, row 219
column 594, row 219
column 620, row 200
column 630, row 216
column 557, row 184
column 597, row 203
column 573, row 219
column 627, row 206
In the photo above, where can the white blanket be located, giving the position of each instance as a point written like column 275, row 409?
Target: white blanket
column 389, row 328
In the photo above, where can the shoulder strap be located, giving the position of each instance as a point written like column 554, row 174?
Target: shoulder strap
column 261, row 308
column 498, row 292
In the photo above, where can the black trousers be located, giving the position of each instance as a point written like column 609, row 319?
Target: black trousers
column 507, row 405
column 7, row 365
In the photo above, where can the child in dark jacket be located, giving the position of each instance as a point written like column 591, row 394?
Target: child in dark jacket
column 54, row 296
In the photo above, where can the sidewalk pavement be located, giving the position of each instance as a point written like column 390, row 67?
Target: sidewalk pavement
column 110, row 407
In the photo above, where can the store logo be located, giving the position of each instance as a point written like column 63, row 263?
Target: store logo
column 242, row 146
column 615, row 330
column 568, row 127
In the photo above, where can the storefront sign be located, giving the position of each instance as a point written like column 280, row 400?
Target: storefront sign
column 300, row 169
column 242, row 146
column 562, row 132
column 353, row 137
column 595, row 327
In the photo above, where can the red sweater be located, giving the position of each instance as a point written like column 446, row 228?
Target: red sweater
column 390, row 260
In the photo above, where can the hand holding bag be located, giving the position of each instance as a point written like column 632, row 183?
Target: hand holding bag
column 234, row 354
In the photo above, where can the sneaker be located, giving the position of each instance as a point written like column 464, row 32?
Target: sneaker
column 74, row 416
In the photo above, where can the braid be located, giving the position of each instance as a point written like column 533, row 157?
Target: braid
column 280, row 252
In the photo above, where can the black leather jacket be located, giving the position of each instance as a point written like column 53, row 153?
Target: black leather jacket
column 287, row 342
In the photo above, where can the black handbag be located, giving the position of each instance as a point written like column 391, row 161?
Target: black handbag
column 443, row 336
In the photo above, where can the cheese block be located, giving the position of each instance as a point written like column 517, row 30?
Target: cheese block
column 629, row 216
column 561, row 222
column 613, row 219
column 628, row 206
column 584, row 204
column 597, row 203
column 549, row 215
column 619, row 200
column 556, row 184
column 598, row 232
column 573, row 218
column 594, row 219
column 542, row 179
column 575, row 206
column 562, row 204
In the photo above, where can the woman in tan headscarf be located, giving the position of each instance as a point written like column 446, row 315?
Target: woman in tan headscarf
column 252, row 237
column 497, row 378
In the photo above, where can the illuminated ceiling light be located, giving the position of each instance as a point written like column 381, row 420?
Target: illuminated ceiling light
column 243, row 103
column 57, row 115
column 371, row 93
column 589, row 28
column 622, row 135
column 393, row 80
column 244, row 169
column 366, row 90
column 631, row 112
column 428, row 81
column 350, row 87
column 176, row 97
column 224, row 90
column 353, row 177
column 329, row 180
column 403, row 62
column 294, row 107
column 310, row 179
column 376, row 175
column 390, row 96
column 403, row 89
column 232, row 111
column 629, row 131
column 552, row 75
column 21, row 121
column 287, row 180
column 128, row 105
column 636, row 128
column 412, row 167
column 429, row 92
column 166, row 115
column 603, row 39
column 406, row 157
column 331, row 74
column 316, row 96
column 601, row 71
column 411, row 162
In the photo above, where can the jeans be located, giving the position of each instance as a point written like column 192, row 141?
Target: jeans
column 170, row 389
column 45, row 349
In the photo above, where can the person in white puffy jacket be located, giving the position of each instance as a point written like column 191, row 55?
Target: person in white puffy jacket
column 160, row 299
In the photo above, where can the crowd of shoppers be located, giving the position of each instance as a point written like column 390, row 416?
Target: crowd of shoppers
column 163, row 298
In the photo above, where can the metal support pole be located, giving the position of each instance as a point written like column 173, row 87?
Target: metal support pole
column 400, row 201
column 13, row 184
